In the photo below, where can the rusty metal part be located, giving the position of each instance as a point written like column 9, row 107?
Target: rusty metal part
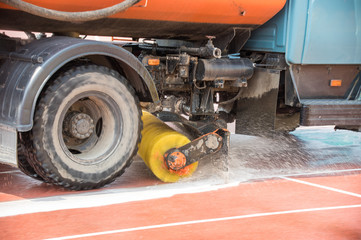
column 209, row 51
column 211, row 143
column 176, row 160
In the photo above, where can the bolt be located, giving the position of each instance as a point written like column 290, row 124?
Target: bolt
column 82, row 125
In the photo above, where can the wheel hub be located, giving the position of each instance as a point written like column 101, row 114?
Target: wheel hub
column 175, row 160
column 81, row 125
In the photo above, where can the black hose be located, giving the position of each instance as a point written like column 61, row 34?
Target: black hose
column 235, row 98
column 70, row 16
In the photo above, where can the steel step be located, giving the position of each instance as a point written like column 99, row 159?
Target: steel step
column 316, row 112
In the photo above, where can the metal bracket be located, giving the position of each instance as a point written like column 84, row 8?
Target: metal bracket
column 20, row 57
column 192, row 152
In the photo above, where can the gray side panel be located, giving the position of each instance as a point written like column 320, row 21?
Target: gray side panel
column 313, row 81
column 8, row 145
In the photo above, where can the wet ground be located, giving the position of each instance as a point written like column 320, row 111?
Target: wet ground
column 265, row 186
column 316, row 150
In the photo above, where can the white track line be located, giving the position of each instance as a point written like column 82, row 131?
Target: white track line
column 113, row 196
column 204, row 221
column 322, row 172
column 102, row 198
column 323, row 187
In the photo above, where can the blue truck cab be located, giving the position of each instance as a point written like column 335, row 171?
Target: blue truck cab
column 319, row 42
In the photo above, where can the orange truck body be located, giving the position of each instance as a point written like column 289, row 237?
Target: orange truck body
column 165, row 18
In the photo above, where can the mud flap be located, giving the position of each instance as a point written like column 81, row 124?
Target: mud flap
column 8, row 145
column 256, row 110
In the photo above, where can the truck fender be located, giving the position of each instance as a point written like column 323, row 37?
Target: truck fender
column 24, row 74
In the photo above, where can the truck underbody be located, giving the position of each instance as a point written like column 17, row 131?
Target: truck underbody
column 71, row 108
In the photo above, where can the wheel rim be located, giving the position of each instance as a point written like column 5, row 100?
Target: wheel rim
column 90, row 128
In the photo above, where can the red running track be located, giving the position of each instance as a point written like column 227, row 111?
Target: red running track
column 308, row 207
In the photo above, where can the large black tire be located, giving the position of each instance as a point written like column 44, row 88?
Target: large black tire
column 25, row 152
column 87, row 128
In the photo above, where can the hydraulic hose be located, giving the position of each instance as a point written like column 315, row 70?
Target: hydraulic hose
column 235, row 98
column 70, row 16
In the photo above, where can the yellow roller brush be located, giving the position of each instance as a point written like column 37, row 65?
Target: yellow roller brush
column 157, row 139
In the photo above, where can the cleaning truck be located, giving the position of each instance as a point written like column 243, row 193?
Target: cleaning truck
column 74, row 112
